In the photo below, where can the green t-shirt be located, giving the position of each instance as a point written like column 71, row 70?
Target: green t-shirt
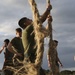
column 18, row 45
column 29, row 43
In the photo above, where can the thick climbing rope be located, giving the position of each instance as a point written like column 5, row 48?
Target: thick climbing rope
column 38, row 34
column 51, row 51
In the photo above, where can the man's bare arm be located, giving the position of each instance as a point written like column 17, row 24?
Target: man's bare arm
column 2, row 48
column 45, row 14
column 12, row 49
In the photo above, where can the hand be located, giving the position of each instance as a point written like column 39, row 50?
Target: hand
column 49, row 64
column 61, row 65
column 49, row 7
column 50, row 18
column 19, row 54
column 0, row 51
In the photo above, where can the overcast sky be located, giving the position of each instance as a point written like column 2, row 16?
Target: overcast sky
column 63, row 14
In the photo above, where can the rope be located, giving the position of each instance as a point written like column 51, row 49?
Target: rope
column 38, row 34
column 51, row 51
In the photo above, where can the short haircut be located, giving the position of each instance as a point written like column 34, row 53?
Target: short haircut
column 7, row 41
column 55, row 41
column 22, row 21
column 18, row 29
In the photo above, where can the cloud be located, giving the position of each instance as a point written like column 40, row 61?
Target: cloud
column 64, row 11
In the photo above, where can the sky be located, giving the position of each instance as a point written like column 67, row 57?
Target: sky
column 63, row 14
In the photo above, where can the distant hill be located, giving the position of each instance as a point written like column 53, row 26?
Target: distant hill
column 67, row 72
column 64, row 72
